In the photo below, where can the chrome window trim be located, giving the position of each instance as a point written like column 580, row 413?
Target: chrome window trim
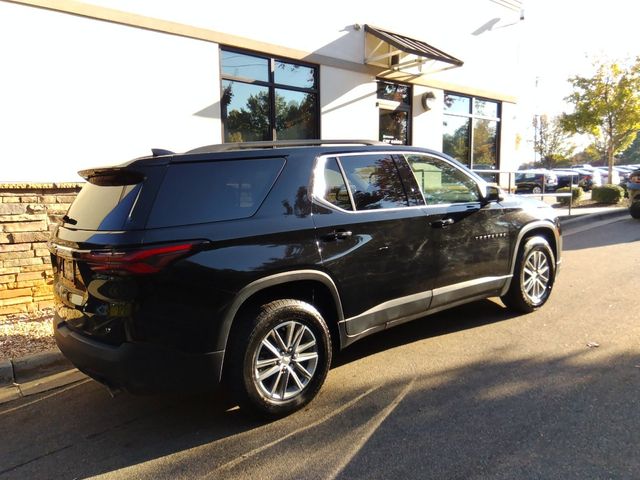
column 318, row 171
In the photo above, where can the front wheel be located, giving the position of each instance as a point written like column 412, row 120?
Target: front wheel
column 537, row 189
column 280, row 358
column 533, row 277
column 634, row 209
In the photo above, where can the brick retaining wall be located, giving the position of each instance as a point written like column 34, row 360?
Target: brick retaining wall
column 28, row 212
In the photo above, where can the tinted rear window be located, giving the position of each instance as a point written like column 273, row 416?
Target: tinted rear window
column 103, row 207
column 213, row 191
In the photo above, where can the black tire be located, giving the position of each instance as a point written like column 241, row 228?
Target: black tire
column 293, row 367
column 537, row 189
column 530, row 287
column 634, row 209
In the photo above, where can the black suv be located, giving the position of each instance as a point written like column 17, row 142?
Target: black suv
column 248, row 264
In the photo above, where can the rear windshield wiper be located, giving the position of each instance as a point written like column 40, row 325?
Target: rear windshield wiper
column 69, row 220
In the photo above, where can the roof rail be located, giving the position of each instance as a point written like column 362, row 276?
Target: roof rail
column 224, row 147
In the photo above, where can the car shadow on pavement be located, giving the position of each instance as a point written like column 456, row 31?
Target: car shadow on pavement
column 528, row 416
column 456, row 319
column 82, row 431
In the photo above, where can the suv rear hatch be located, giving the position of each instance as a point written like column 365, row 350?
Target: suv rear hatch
column 114, row 254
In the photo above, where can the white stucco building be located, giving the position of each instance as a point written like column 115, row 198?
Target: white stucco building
column 94, row 82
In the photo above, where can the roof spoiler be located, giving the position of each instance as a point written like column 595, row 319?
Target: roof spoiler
column 111, row 177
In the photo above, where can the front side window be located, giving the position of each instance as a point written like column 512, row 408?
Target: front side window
column 264, row 98
column 471, row 130
column 441, row 182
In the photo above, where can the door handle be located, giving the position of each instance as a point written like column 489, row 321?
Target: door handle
column 442, row 223
column 338, row 235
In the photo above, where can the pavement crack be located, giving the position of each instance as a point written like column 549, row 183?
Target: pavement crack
column 35, row 459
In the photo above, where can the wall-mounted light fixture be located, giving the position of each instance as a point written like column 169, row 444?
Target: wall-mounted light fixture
column 427, row 100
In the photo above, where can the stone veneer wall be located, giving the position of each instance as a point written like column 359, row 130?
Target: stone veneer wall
column 28, row 212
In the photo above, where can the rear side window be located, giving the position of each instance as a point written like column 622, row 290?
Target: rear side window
column 374, row 181
column 103, row 207
column 213, row 191
column 335, row 189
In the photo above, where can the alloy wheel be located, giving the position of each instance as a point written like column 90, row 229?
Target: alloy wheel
column 536, row 275
column 285, row 361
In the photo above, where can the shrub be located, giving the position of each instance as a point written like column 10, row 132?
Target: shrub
column 576, row 195
column 607, row 194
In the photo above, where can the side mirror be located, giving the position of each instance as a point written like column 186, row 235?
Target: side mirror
column 492, row 194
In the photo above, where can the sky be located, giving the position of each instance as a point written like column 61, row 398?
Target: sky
column 561, row 38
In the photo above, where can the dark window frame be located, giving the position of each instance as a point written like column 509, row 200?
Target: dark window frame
column 401, row 107
column 473, row 116
column 272, row 85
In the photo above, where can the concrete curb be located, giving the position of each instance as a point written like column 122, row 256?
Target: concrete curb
column 580, row 219
column 35, row 374
column 28, row 368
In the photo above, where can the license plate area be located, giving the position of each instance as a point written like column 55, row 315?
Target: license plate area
column 68, row 270
column 68, row 273
column 119, row 310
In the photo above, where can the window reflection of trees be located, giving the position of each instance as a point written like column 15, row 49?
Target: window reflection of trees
column 456, row 143
column 250, row 123
column 471, row 134
column 294, row 119
column 375, row 184
column 394, row 126
column 280, row 103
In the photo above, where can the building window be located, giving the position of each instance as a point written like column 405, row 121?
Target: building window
column 265, row 98
column 394, row 102
column 471, row 130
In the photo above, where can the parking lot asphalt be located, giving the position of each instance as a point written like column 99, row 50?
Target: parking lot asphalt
column 45, row 371
column 475, row 392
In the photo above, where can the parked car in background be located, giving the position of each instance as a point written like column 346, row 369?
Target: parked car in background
column 566, row 178
column 633, row 189
column 248, row 265
column 615, row 176
column 536, row 181
column 589, row 176
column 583, row 178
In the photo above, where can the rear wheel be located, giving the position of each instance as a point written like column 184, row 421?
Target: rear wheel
column 537, row 189
column 634, row 209
column 533, row 276
column 279, row 359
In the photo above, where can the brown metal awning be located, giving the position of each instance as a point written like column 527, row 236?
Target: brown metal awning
column 401, row 53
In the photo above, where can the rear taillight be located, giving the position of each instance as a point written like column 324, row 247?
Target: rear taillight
column 142, row 261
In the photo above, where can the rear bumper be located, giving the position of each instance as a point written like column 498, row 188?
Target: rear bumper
column 139, row 367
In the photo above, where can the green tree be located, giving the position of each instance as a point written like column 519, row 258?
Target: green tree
column 586, row 156
column 632, row 154
column 552, row 141
column 606, row 107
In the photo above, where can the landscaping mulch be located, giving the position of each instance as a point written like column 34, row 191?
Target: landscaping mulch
column 25, row 334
